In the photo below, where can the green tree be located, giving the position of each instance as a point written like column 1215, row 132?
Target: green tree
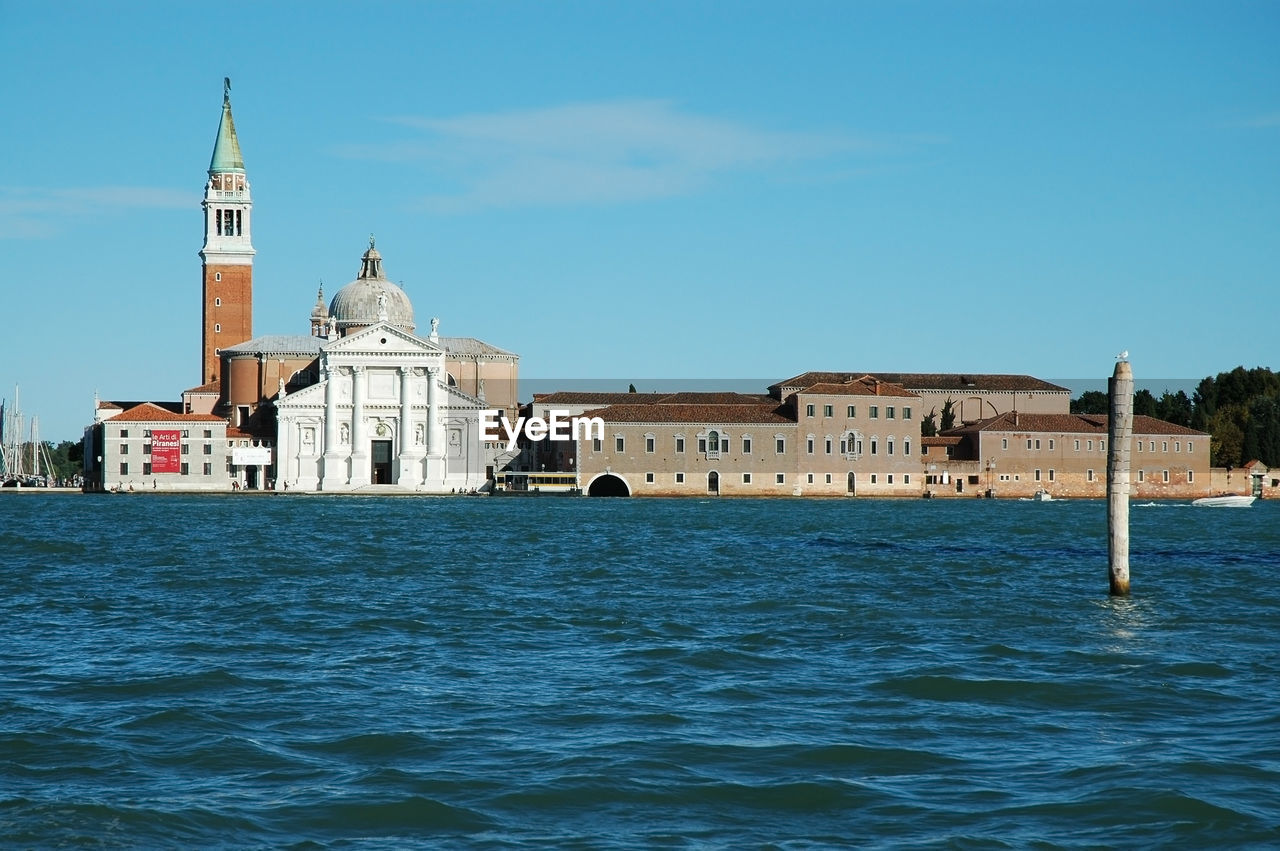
column 1144, row 404
column 948, row 415
column 1091, row 402
column 929, row 425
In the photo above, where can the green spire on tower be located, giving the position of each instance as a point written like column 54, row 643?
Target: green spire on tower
column 226, row 150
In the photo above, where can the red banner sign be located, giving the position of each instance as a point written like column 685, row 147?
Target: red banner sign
column 166, row 452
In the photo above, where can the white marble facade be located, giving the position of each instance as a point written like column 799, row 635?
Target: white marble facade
column 383, row 418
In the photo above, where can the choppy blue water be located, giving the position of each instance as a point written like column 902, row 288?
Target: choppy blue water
column 330, row 672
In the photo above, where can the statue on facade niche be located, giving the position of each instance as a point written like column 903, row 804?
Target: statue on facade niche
column 333, row 327
column 281, row 388
column 382, row 305
column 435, row 327
column 419, row 434
column 344, row 434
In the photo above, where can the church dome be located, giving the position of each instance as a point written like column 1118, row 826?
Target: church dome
column 371, row 298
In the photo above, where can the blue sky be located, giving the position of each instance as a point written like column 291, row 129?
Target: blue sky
column 642, row 191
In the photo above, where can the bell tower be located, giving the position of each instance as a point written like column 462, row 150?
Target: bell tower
column 227, row 255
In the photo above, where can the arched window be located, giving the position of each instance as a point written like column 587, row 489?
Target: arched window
column 713, row 441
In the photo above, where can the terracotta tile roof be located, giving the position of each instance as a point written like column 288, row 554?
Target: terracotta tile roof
column 951, row 440
column 769, row 413
column 955, row 382
column 171, row 407
column 212, row 388
column 149, row 413
column 717, row 398
column 1070, row 424
column 593, row 398
column 680, row 398
column 862, row 387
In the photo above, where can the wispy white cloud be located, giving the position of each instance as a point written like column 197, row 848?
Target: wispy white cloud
column 605, row 152
column 28, row 212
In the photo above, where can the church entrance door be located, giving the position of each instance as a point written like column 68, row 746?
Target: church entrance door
column 381, row 472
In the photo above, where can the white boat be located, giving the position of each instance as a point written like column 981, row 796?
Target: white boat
column 1043, row 495
column 1225, row 501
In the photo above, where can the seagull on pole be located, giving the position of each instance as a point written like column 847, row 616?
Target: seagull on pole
column 1123, row 355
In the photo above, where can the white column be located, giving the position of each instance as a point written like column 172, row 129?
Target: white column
column 409, row 475
column 359, row 440
column 332, row 474
column 435, row 425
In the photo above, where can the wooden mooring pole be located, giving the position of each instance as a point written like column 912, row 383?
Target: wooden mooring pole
column 1119, row 439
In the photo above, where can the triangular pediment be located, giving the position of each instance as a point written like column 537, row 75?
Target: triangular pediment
column 380, row 340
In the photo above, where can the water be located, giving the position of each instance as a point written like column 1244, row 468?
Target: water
column 330, row 672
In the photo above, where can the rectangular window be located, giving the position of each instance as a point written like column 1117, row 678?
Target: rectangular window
column 679, row 478
column 208, row 469
column 1189, row 449
column 1037, row 475
column 1051, row 444
column 1164, row 446
column 1037, row 444
column 873, row 478
column 852, row 411
column 208, row 433
column 827, row 410
column 781, row 478
column 873, row 446
column 1004, row 443
column 1191, row 476
column 1177, row 446
column 1028, row 443
column 185, row 469
column 702, row 445
column 875, row 412
column 648, row 477
column 1165, row 476
column 1077, row 446
column 648, row 444
column 906, row 478
column 906, row 446
column 889, row 479
column 1142, row 475
column 746, row 446
column 146, row 468
column 619, row 444
column 1151, row 446
column 809, row 445
column 1090, row 445
column 889, row 446
column 888, row 412
column 1102, row 446
column 1139, row 445
column 1051, row 478
column 906, row 412
column 828, row 446
column 597, row 445
column 124, row 468
column 808, row 410
column 781, row 446
column 679, row 444
column 809, row 480
column 146, row 449
column 828, row 478
column 124, row 449
column 746, row 478
column 844, row 447
column 208, row 449
column 1089, row 475
column 124, row 432
column 186, row 449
